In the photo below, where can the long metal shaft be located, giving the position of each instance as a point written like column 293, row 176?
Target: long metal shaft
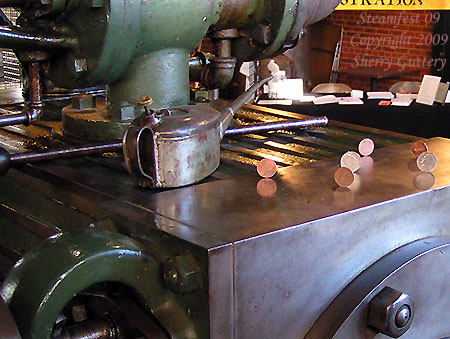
column 116, row 145
column 18, row 39
column 66, row 152
column 319, row 121
column 13, row 119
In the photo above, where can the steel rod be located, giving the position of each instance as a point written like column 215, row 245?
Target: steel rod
column 66, row 152
column 17, row 38
column 13, row 119
column 319, row 121
column 116, row 145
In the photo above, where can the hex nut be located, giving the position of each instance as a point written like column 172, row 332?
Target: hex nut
column 183, row 274
column 391, row 312
column 83, row 102
column 127, row 112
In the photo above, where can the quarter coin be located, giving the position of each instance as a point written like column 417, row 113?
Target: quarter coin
column 351, row 160
column 427, row 162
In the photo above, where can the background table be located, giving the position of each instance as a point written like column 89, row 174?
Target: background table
column 377, row 73
column 416, row 119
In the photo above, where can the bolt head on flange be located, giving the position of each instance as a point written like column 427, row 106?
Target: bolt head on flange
column 83, row 102
column 391, row 312
column 183, row 274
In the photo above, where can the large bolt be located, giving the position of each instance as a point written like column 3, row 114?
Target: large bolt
column 391, row 312
column 83, row 102
column 183, row 274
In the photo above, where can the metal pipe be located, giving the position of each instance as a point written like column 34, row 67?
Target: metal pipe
column 66, row 152
column 16, row 38
column 274, row 126
column 35, row 106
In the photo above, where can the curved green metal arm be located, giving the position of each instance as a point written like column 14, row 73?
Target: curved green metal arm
column 51, row 274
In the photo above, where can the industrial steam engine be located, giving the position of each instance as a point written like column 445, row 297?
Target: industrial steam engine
column 128, row 211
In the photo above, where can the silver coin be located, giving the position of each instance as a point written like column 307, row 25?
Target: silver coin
column 351, row 160
column 427, row 162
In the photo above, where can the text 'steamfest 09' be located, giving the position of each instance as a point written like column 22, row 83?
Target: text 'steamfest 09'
column 392, row 41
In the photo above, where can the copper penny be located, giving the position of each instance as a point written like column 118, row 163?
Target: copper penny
column 427, row 162
column 418, row 148
column 266, row 168
column 343, row 176
column 366, row 147
column 351, row 160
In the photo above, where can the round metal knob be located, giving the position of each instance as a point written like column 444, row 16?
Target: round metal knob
column 391, row 312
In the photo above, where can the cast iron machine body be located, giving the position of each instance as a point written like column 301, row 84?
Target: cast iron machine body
column 232, row 256
column 141, row 51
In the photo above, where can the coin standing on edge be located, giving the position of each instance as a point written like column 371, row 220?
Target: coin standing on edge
column 418, row 148
column 366, row 147
column 266, row 168
column 351, row 160
column 427, row 162
column 344, row 177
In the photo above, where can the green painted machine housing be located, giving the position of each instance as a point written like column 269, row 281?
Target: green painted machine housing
column 94, row 245
column 141, row 47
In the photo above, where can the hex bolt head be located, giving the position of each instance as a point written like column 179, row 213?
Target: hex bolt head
column 182, row 274
column 127, row 112
column 391, row 312
column 83, row 102
column 171, row 277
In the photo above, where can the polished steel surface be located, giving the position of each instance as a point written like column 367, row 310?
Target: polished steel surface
column 304, row 194
column 419, row 269
column 296, row 249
